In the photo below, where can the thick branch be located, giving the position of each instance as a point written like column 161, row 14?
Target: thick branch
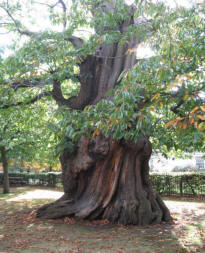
column 73, row 102
column 77, row 42
column 88, row 89
column 180, row 95
column 57, row 93
column 175, row 109
column 105, row 7
column 27, row 84
column 143, row 21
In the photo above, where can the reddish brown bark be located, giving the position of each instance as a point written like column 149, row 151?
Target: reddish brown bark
column 108, row 179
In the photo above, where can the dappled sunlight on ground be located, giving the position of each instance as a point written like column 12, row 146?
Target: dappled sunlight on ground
column 37, row 194
column 189, row 223
column 185, row 206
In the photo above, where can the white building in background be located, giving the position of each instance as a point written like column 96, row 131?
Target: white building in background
column 159, row 163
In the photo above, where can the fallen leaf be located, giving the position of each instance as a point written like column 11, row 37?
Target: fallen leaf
column 39, row 228
column 2, row 238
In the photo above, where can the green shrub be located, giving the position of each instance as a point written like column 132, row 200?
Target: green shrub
column 49, row 179
column 168, row 184
column 179, row 183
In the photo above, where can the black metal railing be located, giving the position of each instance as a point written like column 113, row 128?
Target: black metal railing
column 179, row 184
column 182, row 184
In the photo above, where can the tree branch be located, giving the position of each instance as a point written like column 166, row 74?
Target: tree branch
column 50, row 6
column 178, row 94
column 17, row 24
column 26, row 84
column 59, row 98
column 75, row 102
column 77, row 42
column 54, row 5
column 33, row 100
column 174, row 109
column 64, row 11
column 5, row 32
column 142, row 21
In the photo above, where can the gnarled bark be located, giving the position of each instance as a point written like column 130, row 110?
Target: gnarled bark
column 108, row 179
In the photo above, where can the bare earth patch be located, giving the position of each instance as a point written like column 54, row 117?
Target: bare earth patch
column 21, row 232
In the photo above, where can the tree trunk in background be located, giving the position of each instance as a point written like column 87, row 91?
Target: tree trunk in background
column 108, row 179
column 22, row 165
column 5, row 170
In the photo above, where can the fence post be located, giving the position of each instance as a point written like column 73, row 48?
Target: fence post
column 50, row 180
column 181, row 186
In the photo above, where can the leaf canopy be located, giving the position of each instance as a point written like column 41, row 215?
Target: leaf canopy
column 161, row 97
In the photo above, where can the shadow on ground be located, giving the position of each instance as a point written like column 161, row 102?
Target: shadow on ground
column 21, row 232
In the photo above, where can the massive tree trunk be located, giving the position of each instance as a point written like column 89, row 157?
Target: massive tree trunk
column 5, row 170
column 105, row 178
column 108, row 179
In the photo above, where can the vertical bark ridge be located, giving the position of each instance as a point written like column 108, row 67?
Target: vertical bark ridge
column 106, row 66
column 104, row 70
column 113, row 179
column 129, row 202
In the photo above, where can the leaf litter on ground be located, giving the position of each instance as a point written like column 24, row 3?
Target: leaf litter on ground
column 20, row 231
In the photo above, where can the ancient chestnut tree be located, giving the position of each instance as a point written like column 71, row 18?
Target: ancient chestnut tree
column 114, row 106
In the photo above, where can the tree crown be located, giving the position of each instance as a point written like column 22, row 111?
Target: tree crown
column 161, row 97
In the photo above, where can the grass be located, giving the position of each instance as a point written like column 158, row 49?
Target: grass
column 21, row 232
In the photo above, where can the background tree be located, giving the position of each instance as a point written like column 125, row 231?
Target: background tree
column 114, row 106
column 23, row 139
column 24, row 132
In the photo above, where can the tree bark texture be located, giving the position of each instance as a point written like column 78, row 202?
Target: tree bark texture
column 100, row 72
column 108, row 179
column 5, row 170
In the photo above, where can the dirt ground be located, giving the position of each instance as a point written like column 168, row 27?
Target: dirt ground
column 21, row 232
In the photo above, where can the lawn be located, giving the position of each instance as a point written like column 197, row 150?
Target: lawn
column 21, row 232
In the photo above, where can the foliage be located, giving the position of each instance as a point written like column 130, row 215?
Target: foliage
column 161, row 97
column 47, row 179
column 25, row 133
